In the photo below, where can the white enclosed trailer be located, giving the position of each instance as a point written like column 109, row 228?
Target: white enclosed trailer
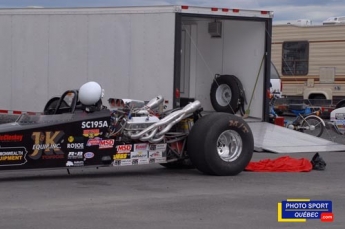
column 134, row 52
column 140, row 52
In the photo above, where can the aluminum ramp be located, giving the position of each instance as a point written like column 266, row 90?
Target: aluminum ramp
column 277, row 139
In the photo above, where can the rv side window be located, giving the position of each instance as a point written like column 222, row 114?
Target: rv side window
column 295, row 58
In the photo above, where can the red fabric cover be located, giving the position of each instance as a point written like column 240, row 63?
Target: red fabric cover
column 280, row 164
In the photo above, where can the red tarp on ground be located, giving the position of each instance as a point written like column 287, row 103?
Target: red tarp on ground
column 281, row 164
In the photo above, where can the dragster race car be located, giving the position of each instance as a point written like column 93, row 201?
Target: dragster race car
column 76, row 130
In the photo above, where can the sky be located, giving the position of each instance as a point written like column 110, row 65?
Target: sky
column 284, row 10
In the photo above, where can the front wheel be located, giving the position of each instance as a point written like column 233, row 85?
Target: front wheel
column 220, row 144
column 313, row 125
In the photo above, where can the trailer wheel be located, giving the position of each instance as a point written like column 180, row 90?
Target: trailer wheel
column 225, row 94
column 220, row 144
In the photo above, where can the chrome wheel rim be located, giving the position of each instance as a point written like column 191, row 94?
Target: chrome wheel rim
column 229, row 145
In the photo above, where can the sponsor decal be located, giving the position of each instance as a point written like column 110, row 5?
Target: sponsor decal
column 89, row 155
column 91, row 133
column 158, row 146
column 140, row 154
column 126, row 162
column 142, row 161
column 74, row 163
column 160, row 160
column 155, row 154
column 134, row 161
column 122, row 162
column 47, row 145
column 11, row 138
column 140, row 147
column 94, row 124
column 123, row 148
column 12, row 156
column 75, row 155
column 71, row 139
column 93, row 141
column 152, row 160
column 116, row 163
column 121, row 156
column 75, row 145
column 106, row 143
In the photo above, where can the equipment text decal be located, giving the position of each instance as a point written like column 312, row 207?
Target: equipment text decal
column 12, row 156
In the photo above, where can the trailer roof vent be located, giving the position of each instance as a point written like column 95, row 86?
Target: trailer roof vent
column 215, row 29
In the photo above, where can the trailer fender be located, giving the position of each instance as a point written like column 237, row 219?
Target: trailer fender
column 317, row 117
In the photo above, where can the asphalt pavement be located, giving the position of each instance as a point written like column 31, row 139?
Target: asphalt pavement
column 150, row 196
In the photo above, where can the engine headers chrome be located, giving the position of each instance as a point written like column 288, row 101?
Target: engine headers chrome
column 155, row 132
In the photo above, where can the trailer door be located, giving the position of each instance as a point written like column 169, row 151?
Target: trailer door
column 188, row 62
column 185, row 61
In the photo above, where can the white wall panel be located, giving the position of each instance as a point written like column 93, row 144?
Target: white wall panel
column 29, row 63
column 5, row 62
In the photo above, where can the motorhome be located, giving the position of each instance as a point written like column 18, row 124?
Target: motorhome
column 310, row 60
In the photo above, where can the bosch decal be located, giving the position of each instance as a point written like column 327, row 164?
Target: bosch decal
column 94, row 124
column 123, row 148
column 12, row 156
column 47, row 145
column 106, row 143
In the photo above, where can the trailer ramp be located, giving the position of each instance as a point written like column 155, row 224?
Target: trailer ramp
column 277, row 139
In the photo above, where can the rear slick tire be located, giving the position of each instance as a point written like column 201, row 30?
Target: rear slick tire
column 220, row 144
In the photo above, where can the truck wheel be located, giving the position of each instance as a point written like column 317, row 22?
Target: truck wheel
column 220, row 144
column 225, row 94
